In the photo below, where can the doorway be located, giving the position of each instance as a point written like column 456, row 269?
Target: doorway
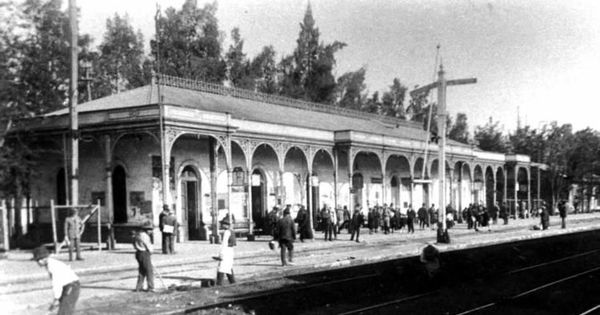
column 119, row 187
column 61, row 187
column 258, row 199
column 190, row 190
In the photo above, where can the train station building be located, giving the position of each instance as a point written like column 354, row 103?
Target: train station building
column 205, row 150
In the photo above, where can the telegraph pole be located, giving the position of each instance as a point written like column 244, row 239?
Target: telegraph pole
column 73, row 107
column 441, row 84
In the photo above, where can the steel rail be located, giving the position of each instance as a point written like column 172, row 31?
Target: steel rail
column 536, row 289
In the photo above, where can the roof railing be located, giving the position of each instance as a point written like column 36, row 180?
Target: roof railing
column 218, row 89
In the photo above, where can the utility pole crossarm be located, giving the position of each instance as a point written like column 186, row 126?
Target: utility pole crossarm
column 460, row 81
column 424, row 89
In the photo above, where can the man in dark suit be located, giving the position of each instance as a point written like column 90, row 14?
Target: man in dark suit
column 161, row 217
column 285, row 235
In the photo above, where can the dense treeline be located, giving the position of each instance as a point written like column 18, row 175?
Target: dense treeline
column 34, row 78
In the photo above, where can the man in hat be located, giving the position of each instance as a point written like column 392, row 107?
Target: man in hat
column 226, row 253
column 286, row 234
column 161, row 217
column 143, row 251
column 170, row 225
column 65, row 283
column 73, row 231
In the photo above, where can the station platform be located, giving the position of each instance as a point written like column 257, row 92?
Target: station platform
column 25, row 287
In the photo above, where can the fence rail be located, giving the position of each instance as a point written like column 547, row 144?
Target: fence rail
column 93, row 209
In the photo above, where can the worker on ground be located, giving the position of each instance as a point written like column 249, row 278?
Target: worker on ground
column 65, row 283
column 285, row 235
column 143, row 256
column 226, row 253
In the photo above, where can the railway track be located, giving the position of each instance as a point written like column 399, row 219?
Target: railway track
column 517, row 302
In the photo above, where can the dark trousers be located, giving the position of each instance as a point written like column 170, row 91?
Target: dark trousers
column 563, row 222
column 355, row 230
column 411, row 226
column 168, row 246
column 289, row 246
column 230, row 277
column 145, row 270
column 328, row 230
column 68, row 299
column 74, row 242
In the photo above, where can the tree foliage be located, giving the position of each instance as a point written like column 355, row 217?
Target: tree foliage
column 190, row 43
column 490, row 137
column 350, row 89
column 119, row 63
column 459, row 130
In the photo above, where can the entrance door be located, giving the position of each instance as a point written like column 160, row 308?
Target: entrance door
column 189, row 201
column 258, row 205
column 119, row 187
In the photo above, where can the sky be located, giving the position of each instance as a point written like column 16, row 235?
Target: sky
column 537, row 60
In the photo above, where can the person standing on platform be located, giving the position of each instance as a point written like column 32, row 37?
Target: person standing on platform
column 143, row 253
column 65, row 283
column 494, row 213
column 226, row 253
column 303, row 224
column 286, row 234
column 73, row 231
column 544, row 216
column 161, row 217
column 356, row 223
column 170, row 226
column 410, row 219
column 326, row 221
column 432, row 217
column 423, row 217
column 562, row 211
column 504, row 213
column 334, row 222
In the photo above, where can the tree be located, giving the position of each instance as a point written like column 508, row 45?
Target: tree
column 308, row 72
column 189, row 43
column 460, row 129
column 373, row 105
column 392, row 101
column 558, row 144
column 264, row 70
column 350, row 89
column 238, row 66
column 120, row 65
column 490, row 137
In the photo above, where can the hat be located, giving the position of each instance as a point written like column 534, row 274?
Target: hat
column 40, row 253
column 166, row 207
column 286, row 211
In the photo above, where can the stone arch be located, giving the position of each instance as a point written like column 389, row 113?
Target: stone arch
column 398, row 174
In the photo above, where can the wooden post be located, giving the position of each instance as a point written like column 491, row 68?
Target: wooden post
column 53, row 218
column 99, row 227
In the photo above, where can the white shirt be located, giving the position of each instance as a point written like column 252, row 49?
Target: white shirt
column 61, row 275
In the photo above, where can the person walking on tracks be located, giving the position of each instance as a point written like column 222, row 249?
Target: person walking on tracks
column 285, row 235
column 73, row 231
column 169, row 223
column 143, row 252
column 65, row 283
column 226, row 254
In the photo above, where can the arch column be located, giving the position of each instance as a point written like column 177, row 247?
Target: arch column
column 538, row 185
column 516, row 189
column 383, row 186
column 350, row 177
column 450, row 189
column 335, row 178
column 494, row 190
column 108, row 198
column 311, row 211
column 214, row 165
column 505, row 175
column 529, row 205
